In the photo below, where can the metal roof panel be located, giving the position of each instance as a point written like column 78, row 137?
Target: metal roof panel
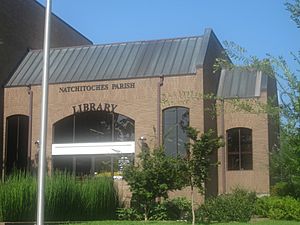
column 239, row 83
column 112, row 61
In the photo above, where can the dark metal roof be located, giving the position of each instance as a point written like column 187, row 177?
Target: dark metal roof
column 178, row 56
column 241, row 83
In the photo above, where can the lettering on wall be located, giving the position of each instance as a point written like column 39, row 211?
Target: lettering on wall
column 87, row 107
column 96, row 87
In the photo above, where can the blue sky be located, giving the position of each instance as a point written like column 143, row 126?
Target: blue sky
column 260, row 26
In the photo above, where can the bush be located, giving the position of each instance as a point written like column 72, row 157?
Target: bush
column 129, row 214
column 178, row 209
column 284, row 189
column 174, row 209
column 286, row 208
column 65, row 198
column 159, row 212
column 238, row 206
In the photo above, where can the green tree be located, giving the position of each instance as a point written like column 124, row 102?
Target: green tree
column 152, row 177
column 198, row 160
column 285, row 159
column 294, row 9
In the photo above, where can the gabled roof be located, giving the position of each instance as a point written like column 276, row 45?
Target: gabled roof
column 178, row 56
column 241, row 83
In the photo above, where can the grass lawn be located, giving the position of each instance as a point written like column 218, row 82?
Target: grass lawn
column 115, row 222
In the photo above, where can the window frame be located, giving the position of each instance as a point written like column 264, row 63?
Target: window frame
column 241, row 151
column 177, row 152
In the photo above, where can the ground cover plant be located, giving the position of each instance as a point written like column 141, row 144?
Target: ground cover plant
column 66, row 198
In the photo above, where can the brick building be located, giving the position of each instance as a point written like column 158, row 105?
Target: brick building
column 21, row 30
column 106, row 101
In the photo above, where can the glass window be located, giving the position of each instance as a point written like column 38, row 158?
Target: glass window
column 93, row 127
column 63, row 131
column 92, row 165
column 175, row 122
column 123, row 128
column 17, row 142
column 239, row 149
column 63, row 163
column 83, row 166
column 89, row 127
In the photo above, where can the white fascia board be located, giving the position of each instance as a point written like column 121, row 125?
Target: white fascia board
column 95, row 148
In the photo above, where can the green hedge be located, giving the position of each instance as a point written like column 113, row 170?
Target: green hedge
column 238, row 206
column 278, row 208
column 65, row 198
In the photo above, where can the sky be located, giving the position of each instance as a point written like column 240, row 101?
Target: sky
column 260, row 26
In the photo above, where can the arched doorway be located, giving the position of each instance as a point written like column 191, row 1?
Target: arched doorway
column 16, row 143
column 92, row 142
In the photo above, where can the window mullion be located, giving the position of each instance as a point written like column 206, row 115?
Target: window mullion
column 240, row 151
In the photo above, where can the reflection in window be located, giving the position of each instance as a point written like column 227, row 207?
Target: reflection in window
column 92, row 165
column 93, row 127
column 124, row 128
column 239, row 148
column 175, row 122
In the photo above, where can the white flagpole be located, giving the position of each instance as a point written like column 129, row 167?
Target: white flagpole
column 44, row 118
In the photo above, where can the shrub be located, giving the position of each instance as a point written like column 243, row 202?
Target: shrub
column 129, row 214
column 238, row 206
column 278, row 208
column 283, row 189
column 178, row 209
column 158, row 212
column 174, row 209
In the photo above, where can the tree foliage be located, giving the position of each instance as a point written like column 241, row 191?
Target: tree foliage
column 285, row 160
column 198, row 161
column 198, row 156
column 294, row 9
column 153, row 177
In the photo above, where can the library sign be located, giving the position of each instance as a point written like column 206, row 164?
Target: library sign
column 96, row 87
column 87, row 107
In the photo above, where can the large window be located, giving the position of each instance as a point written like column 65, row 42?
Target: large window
column 175, row 122
column 93, row 127
column 16, row 142
column 87, row 165
column 239, row 149
column 89, row 127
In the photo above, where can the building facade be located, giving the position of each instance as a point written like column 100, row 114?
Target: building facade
column 107, row 101
column 21, row 30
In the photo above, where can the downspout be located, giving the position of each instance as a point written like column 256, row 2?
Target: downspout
column 160, row 83
column 223, row 148
column 4, row 153
column 30, row 93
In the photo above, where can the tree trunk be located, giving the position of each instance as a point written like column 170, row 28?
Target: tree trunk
column 145, row 213
column 192, row 203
